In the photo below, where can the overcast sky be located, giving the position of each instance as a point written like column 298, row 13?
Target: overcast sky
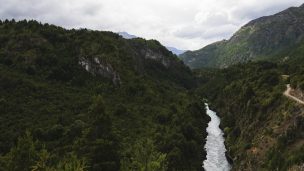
column 184, row 24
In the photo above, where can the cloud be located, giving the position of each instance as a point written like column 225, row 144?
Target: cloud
column 253, row 10
column 189, row 24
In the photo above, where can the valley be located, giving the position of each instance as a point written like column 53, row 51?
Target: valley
column 90, row 100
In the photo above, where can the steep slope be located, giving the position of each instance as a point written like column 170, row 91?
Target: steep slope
column 263, row 128
column 68, row 95
column 267, row 38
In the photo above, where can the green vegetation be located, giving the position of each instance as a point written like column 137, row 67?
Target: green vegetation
column 132, row 109
column 263, row 129
column 271, row 38
column 89, row 100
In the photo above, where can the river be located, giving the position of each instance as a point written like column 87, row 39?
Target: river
column 215, row 147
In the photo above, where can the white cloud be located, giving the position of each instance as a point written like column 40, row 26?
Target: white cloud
column 189, row 24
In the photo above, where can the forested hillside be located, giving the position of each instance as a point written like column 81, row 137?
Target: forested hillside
column 91, row 100
column 271, row 38
column 263, row 128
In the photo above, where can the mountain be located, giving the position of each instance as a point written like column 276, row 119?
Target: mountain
column 266, row 38
column 175, row 50
column 172, row 49
column 127, row 35
column 92, row 100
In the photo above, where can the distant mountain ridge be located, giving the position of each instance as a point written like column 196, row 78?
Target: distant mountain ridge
column 266, row 38
column 172, row 49
column 175, row 50
column 127, row 35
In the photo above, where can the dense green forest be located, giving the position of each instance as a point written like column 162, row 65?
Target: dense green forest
column 91, row 100
column 263, row 128
column 82, row 100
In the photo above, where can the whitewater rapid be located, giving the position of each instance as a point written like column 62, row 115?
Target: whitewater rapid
column 215, row 148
